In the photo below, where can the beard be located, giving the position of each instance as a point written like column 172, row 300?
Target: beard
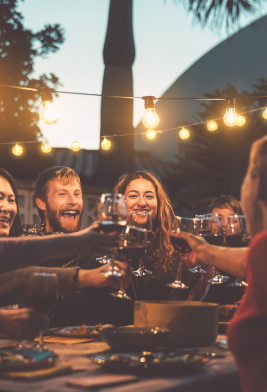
column 56, row 224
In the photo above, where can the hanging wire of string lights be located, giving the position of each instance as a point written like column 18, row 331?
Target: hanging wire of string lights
column 150, row 119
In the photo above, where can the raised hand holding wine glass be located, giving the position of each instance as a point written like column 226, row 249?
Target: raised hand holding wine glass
column 42, row 295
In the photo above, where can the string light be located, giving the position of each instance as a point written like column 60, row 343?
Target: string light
column 241, row 121
column 49, row 113
column 212, row 126
column 75, row 146
column 264, row 114
column 230, row 118
column 106, row 144
column 150, row 119
column 151, row 134
column 46, row 148
column 17, row 150
column 184, row 133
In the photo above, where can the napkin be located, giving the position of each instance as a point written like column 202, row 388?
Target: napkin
column 62, row 340
column 38, row 374
column 103, row 380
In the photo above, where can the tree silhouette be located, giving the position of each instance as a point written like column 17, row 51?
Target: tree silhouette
column 19, row 116
column 214, row 13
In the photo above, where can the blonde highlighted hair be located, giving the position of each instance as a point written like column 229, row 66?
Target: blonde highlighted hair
column 65, row 174
column 158, row 253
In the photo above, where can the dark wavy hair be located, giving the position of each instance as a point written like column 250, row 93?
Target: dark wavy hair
column 15, row 230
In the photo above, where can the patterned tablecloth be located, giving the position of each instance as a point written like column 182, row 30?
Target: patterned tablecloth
column 215, row 376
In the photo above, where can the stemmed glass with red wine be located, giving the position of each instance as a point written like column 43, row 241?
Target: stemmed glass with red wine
column 42, row 296
column 236, row 237
column 208, row 226
column 188, row 225
column 142, row 219
column 112, row 216
column 133, row 247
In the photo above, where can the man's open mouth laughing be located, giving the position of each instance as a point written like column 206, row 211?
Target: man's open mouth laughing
column 70, row 215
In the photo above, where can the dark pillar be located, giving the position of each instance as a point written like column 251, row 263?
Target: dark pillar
column 116, row 113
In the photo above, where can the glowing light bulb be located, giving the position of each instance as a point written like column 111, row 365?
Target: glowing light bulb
column 46, row 148
column 264, row 114
column 49, row 114
column 212, row 126
column 241, row 121
column 184, row 133
column 151, row 134
column 106, row 144
column 75, row 146
column 17, row 150
column 150, row 119
column 230, row 118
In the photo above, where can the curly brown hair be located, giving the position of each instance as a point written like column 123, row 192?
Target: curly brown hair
column 158, row 253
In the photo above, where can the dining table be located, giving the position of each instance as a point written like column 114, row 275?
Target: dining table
column 218, row 374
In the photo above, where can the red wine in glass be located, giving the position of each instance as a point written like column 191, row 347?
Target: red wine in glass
column 180, row 245
column 236, row 241
column 213, row 239
column 108, row 226
column 132, row 253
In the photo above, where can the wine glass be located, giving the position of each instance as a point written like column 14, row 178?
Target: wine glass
column 236, row 237
column 215, row 238
column 42, row 295
column 142, row 219
column 188, row 225
column 112, row 215
column 209, row 227
column 133, row 247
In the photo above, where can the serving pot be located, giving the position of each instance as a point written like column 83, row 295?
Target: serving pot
column 191, row 323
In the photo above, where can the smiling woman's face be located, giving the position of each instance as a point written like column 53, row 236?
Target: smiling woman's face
column 141, row 195
column 8, row 207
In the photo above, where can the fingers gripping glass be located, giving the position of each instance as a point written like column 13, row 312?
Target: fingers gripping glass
column 142, row 219
column 236, row 237
column 42, row 296
column 111, row 213
column 133, row 246
column 187, row 225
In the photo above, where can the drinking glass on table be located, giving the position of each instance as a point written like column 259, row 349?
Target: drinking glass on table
column 188, row 225
column 133, row 246
column 42, row 295
column 111, row 214
column 236, row 237
column 142, row 219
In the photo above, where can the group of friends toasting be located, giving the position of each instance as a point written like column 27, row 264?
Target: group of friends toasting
column 168, row 257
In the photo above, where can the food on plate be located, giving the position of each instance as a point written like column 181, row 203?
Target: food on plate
column 83, row 329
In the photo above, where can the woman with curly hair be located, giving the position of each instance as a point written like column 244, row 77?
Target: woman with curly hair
column 144, row 192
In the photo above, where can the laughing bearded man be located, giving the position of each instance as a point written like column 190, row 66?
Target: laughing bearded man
column 58, row 197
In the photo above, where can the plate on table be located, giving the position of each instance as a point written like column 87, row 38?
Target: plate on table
column 25, row 359
column 150, row 362
column 77, row 332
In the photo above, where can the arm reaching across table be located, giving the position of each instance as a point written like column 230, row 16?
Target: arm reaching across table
column 19, row 252
column 230, row 260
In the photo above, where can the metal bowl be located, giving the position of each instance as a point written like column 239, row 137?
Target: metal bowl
column 135, row 339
